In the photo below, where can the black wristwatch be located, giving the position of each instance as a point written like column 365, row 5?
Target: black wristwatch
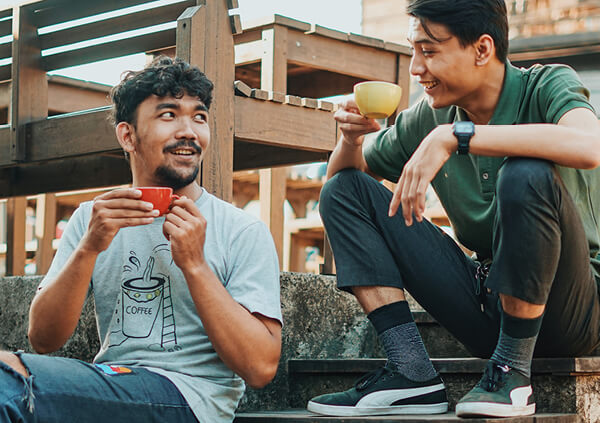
column 463, row 131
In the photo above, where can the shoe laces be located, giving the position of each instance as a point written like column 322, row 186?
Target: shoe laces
column 494, row 377
column 371, row 377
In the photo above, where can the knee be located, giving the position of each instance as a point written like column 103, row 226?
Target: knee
column 13, row 361
column 519, row 177
column 340, row 184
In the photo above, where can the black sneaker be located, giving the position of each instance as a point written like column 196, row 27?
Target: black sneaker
column 384, row 391
column 501, row 392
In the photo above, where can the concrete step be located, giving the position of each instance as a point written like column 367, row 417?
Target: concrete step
column 302, row 416
column 560, row 385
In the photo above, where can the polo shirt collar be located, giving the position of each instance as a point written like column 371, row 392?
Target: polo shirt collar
column 507, row 110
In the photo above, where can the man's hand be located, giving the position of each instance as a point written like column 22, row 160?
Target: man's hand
column 112, row 211
column 419, row 171
column 185, row 227
column 353, row 125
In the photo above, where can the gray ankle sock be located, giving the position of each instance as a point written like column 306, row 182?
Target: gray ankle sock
column 517, row 342
column 401, row 341
column 404, row 347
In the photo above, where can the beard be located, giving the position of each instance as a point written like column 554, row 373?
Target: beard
column 169, row 177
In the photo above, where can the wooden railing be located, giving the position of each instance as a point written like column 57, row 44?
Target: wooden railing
column 273, row 120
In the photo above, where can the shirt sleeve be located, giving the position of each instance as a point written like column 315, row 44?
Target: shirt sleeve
column 71, row 236
column 387, row 152
column 559, row 91
column 254, row 277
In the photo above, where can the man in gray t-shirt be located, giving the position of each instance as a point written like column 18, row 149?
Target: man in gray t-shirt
column 187, row 304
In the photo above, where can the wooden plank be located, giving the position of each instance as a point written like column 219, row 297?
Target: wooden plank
column 327, row 32
column 141, row 19
column 398, row 48
column 45, row 230
column 272, row 197
column 6, row 26
column 242, row 89
column 63, row 98
column 311, row 103
column 325, row 105
column 6, row 49
column 285, row 127
column 259, row 94
column 341, row 57
column 276, row 97
column 15, row 236
column 47, row 140
column 247, row 155
column 273, row 181
column 5, row 145
column 51, row 12
column 204, row 39
column 5, row 72
column 91, row 172
column 138, row 44
column 293, row 100
column 267, row 21
column 232, row 4
column 249, row 52
column 29, row 100
column 236, row 24
column 366, row 41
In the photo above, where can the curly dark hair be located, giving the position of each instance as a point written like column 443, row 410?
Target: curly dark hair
column 466, row 19
column 163, row 77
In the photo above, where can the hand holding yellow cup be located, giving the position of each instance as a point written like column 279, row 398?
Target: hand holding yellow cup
column 377, row 99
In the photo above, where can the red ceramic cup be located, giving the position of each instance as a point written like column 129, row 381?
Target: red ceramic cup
column 160, row 197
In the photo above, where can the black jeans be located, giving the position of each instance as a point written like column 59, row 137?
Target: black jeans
column 540, row 253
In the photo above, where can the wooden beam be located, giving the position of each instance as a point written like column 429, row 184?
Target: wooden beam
column 138, row 44
column 342, row 57
column 272, row 197
column 273, row 181
column 142, row 19
column 51, row 12
column 256, row 156
column 29, row 85
column 47, row 140
column 286, row 125
column 45, row 230
column 64, row 175
column 15, row 236
column 204, row 39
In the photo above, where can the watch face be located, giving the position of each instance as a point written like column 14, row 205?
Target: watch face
column 463, row 127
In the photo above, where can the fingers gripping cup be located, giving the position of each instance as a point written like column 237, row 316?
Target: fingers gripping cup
column 160, row 197
column 377, row 99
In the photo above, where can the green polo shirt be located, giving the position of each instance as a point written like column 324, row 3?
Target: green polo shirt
column 466, row 184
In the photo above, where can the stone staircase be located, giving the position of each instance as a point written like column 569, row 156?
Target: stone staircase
column 327, row 344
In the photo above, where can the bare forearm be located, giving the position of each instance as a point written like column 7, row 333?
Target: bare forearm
column 245, row 344
column 345, row 155
column 56, row 308
column 563, row 145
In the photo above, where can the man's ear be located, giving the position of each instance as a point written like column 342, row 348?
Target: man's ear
column 485, row 50
column 125, row 135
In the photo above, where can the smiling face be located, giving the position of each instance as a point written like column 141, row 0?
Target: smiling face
column 447, row 71
column 167, row 142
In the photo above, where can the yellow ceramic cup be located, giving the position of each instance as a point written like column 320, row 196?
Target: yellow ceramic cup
column 377, row 99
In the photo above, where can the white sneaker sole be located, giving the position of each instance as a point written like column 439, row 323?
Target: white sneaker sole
column 490, row 409
column 348, row 411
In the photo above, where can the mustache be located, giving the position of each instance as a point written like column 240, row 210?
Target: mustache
column 183, row 144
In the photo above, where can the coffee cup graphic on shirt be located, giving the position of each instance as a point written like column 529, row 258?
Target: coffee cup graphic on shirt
column 142, row 299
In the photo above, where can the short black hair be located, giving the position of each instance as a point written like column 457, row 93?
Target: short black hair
column 163, row 77
column 466, row 19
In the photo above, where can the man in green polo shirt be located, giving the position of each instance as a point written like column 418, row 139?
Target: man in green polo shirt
column 512, row 154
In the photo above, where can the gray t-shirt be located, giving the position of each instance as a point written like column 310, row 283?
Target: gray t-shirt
column 146, row 315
